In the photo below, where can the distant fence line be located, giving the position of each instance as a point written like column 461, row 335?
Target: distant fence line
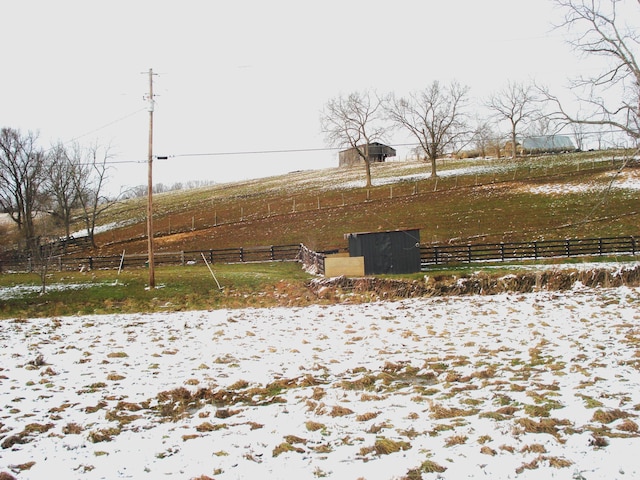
column 167, row 224
column 430, row 255
column 272, row 253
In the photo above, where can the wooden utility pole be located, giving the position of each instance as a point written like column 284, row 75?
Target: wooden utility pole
column 152, row 273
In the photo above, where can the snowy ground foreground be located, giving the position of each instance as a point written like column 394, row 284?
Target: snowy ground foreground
column 527, row 386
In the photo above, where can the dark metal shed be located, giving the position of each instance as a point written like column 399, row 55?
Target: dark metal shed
column 396, row 251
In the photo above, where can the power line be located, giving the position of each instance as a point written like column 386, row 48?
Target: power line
column 266, row 152
column 105, row 125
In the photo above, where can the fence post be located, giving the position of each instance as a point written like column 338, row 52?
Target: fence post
column 182, row 258
column 273, row 257
column 90, row 263
column 241, row 254
column 211, row 255
column 469, row 252
column 502, row 251
column 567, row 247
column 600, row 246
column 435, row 255
column 633, row 245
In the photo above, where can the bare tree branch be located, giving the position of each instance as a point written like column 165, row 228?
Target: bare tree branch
column 354, row 121
column 517, row 104
column 435, row 116
column 611, row 97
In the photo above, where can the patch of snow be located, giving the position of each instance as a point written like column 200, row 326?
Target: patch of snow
column 625, row 180
column 429, row 374
column 16, row 291
column 104, row 228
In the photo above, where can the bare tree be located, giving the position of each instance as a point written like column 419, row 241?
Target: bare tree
column 516, row 104
column 435, row 116
column 612, row 96
column 60, row 185
column 483, row 136
column 22, row 169
column 354, row 121
column 90, row 168
column 580, row 134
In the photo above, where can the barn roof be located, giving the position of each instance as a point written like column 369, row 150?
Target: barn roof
column 377, row 148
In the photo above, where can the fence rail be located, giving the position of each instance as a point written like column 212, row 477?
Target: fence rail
column 270, row 253
column 450, row 254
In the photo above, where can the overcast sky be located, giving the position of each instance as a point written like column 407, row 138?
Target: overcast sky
column 252, row 75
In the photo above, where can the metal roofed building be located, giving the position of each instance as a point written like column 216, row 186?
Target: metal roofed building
column 547, row 143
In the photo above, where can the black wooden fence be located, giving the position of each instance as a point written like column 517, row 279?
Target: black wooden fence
column 270, row 253
column 482, row 252
column 314, row 261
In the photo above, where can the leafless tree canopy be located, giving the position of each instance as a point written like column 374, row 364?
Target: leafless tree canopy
column 435, row 116
column 60, row 187
column 612, row 96
column 22, row 172
column 517, row 104
column 354, row 122
column 90, row 174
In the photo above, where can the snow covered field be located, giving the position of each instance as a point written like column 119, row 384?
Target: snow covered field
column 527, row 386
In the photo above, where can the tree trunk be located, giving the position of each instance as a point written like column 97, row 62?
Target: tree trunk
column 367, row 166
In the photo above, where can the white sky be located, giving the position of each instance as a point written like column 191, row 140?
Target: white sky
column 250, row 75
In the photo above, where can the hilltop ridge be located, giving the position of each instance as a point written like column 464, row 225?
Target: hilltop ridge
column 551, row 196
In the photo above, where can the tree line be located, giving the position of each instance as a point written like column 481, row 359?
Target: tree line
column 58, row 182
column 438, row 117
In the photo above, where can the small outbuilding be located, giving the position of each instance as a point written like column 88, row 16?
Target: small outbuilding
column 395, row 251
column 378, row 152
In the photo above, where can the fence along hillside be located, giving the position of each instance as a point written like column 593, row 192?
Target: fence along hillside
column 430, row 255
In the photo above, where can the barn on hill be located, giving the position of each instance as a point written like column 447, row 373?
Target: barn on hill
column 378, row 152
column 547, row 144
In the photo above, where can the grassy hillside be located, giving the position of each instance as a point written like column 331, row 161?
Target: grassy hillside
column 553, row 196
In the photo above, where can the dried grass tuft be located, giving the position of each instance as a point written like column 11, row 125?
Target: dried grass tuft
column 628, row 426
column 608, row 416
column 486, row 450
column 439, row 412
column 314, row 426
column 367, row 416
column 385, row 446
column 455, row 440
column 338, row 411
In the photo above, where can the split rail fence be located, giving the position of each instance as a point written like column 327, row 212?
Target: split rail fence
column 314, row 261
